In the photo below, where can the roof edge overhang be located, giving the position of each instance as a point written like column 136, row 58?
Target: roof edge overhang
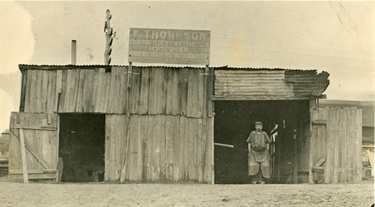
column 24, row 67
column 267, row 98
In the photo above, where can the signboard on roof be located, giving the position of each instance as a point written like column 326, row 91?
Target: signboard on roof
column 190, row 47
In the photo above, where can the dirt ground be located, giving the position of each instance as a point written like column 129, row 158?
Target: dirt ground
column 102, row 194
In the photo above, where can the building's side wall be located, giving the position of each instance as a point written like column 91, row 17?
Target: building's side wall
column 336, row 136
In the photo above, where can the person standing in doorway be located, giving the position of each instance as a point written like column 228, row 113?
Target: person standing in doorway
column 258, row 155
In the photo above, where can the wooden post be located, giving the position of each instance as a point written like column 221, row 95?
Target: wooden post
column 23, row 155
column 124, row 173
column 311, row 106
column 204, row 122
column 213, row 151
column 130, row 71
column 23, row 90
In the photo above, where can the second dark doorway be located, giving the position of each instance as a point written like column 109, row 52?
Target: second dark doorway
column 82, row 147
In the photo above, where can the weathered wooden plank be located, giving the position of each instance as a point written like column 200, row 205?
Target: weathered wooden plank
column 339, row 134
column 175, row 96
column 73, row 80
column 135, row 91
column 210, row 92
column 191, row 94
column 23, row 155
column 34, row 176
column 81, row 80
column 65, row 91
column 210, row 152
column 191, row 155
column 23, row 91
column 115, row 146
column 132, row 152
column 44, row 92
column 15, row 160
column 140, row 150
column 33, row 92
column 332, row 131
column 27, row 120
column 183, row 152
column 169, row 147
column 144, row 90
column 125, row 158
column 156, row 148
column 201, row 136
column 162, row 148
column 117, row 91
column 88, row 86
column 38, row 92
column 51, row 92
column 183, row 90
column 152, row 98
column 27, row 90
column 343, row 152
column 101, row 91
column 169, row 91
column 176, row 147
column 201, row 103
column 150, row 148
column 358, row 145
column 145, row 146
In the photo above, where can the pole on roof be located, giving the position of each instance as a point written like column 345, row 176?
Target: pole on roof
column 108, row 37
column 73, row 54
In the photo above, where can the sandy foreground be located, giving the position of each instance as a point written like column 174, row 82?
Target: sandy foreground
column 102, row 194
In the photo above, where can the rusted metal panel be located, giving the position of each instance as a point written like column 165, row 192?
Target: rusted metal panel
column 240, row 83
column 307, row 83
column 169, row 46
column 269, row 83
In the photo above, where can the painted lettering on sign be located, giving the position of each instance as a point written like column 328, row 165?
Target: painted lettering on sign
column 169, row 46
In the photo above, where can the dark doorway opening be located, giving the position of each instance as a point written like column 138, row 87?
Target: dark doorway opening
column 82, row 147
column 234, row 120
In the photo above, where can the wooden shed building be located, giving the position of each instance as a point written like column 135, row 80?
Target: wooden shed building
column 174, row 124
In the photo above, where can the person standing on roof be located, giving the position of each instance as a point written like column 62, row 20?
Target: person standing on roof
column 259, row 157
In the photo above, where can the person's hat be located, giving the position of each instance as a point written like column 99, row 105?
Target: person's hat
column 258, row 123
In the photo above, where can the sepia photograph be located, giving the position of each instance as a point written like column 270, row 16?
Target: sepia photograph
column 187, row 103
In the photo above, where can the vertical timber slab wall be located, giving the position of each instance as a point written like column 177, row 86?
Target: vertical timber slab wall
column 158, row 136
column 157, row 148
column 335, row 145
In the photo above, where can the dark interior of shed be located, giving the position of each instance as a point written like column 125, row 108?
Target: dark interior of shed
column 82, row 147
column 234, row 120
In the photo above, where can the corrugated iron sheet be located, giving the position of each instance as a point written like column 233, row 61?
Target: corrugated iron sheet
column 239, row 83
column 269, row 83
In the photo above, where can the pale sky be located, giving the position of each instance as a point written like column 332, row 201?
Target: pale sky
column 337, row 37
